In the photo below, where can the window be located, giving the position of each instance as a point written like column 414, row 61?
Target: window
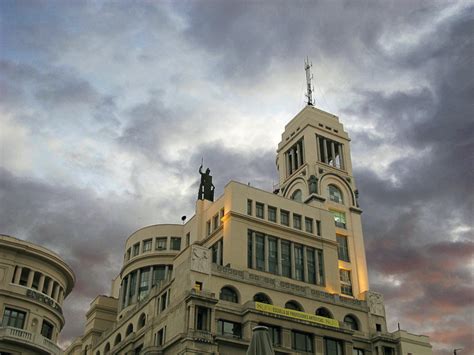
column 159, row 274
column 302, row 341
column 346, row 284
column 175, row 243
column 335, row 194
column 227, row 328
column 146, row 245
column 296, row 221
column 144, row 284
column 294, row 306
column 228, row 294
column 339, row 219
column 294, row 157
column 318, row 227
column 299, row 263
column 260, row 252
column 249, row 207
column 259, row 207
column 160, row 243
column 215, row 222
column 272, row 214
column 330, row 152
column 25, row 272
column 351, row 322
column 13, row 318
column 285, row 258
column 217, row 252
column 357, row 351
column 285, row 218
column 208, row 228
column 272, row 255
column 36, row 279
column 297, row 196
column 274, row 332
column 342, row 250
column 323, row 312
column 136, row 249
column 202, row 318
column 308, row 225
column 262, row 298
column 333, row 347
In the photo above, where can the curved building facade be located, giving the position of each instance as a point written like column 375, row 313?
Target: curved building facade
column 33, row 285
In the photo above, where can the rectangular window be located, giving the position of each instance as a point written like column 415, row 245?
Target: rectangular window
column 260, row 252
column 175, row 243
column 333, row 347
column 296, row 221
column 285, row 217
column 47, row 330
column 146, row 245
column 249, row 207
column 275, row 334
column 339, row 219
column 215, row 222
column 311, row 265
column 302, row 341
column 272, row 214
column 25, row 272
column 285, row 258
column 342, row 250
column 259, row 210
column 299, row 266
column 346, row 283
column 229, row 329
column 308, row 224
column 318, row 228
column 13, row 318
column 249, row 249
column 160, row 243
column 136, row 249
column 272, row 255
column 36, row 279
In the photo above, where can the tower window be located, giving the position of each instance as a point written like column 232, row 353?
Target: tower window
column 330, row 152
column 294, row 157
column 335, row 194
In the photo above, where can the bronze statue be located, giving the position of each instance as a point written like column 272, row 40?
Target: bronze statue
column 206, row 188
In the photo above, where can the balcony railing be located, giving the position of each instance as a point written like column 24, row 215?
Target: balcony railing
column 30, row 339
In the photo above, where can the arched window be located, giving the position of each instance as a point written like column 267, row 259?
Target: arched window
column 107, row 348
column 229, row 294
column 297, row 196
column 294, row 306
column 323, row 312
column 335, row 194
column 129, row 330
column 118, row 339
column 352, row 322
column 141, row 321
column 262, row 298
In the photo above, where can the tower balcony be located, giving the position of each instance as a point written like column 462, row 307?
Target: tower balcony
column 29, row 340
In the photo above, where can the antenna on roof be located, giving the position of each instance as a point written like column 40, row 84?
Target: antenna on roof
column 309, row 77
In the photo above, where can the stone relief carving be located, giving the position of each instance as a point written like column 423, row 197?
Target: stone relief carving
column 200, row 259
column 375, row 303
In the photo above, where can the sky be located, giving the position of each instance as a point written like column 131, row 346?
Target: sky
column 107, row 108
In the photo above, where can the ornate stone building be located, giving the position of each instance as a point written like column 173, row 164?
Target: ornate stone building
column 292, row 259
column 33, row 284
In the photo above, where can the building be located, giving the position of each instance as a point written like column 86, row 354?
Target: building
column 292, row 259
column 33, row 285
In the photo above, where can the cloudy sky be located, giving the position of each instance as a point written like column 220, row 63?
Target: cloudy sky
column 106, row 109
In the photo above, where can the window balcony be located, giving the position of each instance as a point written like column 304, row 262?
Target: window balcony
column 41, row 344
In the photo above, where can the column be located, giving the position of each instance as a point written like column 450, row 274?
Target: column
column 41, row 283
column 333, row 154
column 266, row 253
column 49, row 292
column 325, row 150
column 29, row 283
column 279, row 256
column 254, row 251
column 292, row 253
column 16, row 279
column 305, row 264
column 56, row 292
column 127, row 291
